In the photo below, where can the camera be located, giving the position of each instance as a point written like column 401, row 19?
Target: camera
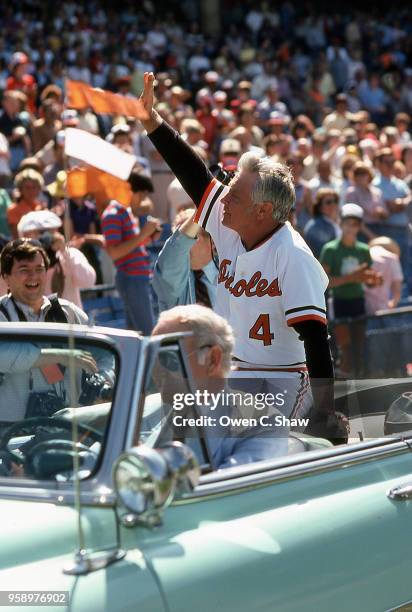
column 43, row 404
column 94, row 387
column 46, row 240
column 224, row 176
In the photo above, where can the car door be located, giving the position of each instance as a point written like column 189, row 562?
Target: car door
column 318, row 529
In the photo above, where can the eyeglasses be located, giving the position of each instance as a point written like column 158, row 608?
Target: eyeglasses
column 170, row 360
column 330, row 201
column 201, row 357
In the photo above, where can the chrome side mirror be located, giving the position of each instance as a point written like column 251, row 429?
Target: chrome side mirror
column 146, row 479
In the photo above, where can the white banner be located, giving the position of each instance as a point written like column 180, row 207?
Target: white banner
column 98, row 153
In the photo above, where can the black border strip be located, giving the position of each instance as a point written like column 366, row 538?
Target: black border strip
column 305, row 308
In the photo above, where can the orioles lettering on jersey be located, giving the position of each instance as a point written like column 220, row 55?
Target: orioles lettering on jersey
column 255, row 287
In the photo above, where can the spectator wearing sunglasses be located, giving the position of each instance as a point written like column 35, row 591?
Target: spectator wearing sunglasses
column 367, row 196
column 185, row 271
column 324, row 226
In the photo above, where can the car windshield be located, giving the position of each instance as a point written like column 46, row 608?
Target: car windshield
column 53, row 398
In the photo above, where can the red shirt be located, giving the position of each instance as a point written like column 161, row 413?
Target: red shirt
column 119, row 225
column 18, row 209
column 27, row 85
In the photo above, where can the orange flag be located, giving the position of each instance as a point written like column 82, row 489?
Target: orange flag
column 117, row 103
column 99, row 101
column 103, row 186
column 80, row 95
column 77, row 183
column 77, row 94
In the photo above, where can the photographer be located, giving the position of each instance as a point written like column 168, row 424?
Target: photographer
column 24, row 267
column 69, row 269
column 35, row 380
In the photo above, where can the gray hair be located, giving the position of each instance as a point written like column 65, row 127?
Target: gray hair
column 274, row 184
column 208, row 328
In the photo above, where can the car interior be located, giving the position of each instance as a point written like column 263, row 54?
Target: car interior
column 40, row 443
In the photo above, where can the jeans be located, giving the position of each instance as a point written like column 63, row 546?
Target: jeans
column 136, row 294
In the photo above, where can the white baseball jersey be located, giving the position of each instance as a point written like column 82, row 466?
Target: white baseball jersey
column 264, row 291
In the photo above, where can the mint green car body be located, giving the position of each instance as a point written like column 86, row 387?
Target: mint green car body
column 312, row 531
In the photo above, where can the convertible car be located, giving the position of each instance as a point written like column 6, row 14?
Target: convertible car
column 103, row 507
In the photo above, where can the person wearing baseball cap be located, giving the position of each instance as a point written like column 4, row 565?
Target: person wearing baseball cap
column 20, row 80
column 211, row 78
column 348, row 263
column 229, row 154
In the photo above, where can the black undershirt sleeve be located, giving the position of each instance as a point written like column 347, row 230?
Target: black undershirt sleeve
column 189, row 168
column 318, row 358
column 324, row 421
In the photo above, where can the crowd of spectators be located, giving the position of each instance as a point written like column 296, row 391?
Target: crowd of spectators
column 330, row 95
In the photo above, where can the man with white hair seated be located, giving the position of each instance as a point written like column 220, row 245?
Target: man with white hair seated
column 209, row 352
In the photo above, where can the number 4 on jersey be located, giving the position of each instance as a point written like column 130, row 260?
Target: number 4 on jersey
column 261, row 330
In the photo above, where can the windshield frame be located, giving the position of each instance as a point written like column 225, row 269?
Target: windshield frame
column 97, row 488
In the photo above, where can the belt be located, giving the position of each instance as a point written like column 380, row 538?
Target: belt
column 248, row 367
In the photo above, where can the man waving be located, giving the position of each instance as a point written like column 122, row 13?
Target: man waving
column 270, row 287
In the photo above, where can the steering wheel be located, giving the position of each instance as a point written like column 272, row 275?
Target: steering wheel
column 45, row 446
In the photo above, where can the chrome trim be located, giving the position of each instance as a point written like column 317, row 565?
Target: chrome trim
column 84, row 562
column 58, row 497
column 138, row 391
column 62, row 329
column 237, row 480
column 400, row 492
column 404, row 607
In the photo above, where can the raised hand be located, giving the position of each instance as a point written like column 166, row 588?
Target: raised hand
column 147, row 96
column 148, row 116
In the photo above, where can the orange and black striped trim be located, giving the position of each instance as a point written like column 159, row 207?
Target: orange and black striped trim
column 309, row 317
column 204, row 200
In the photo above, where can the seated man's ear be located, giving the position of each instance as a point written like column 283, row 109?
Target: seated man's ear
column 214, row 361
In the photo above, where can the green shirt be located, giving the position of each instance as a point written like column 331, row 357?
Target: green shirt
column 4, row 204
column 342, row 260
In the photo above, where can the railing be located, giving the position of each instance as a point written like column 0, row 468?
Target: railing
column 378, row 345
column 104, row 306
